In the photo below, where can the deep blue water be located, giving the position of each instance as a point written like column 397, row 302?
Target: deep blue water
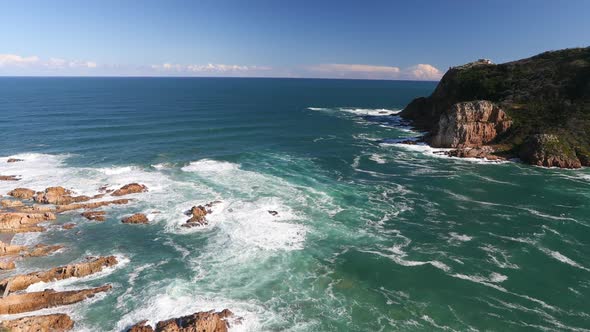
column 370, row 235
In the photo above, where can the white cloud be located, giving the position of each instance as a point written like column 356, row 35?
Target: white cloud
column 8, row 60
column 355, row 68
column 13, row 61
column 208, row 68
column 336, row 70
column 423, row 72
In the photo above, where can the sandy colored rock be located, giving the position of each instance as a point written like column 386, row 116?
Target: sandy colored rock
column 44, row 323
column 19, row 222
column 89, row 206
column 22, row 193
column 58, row 196
column 8, row 249
column 68, row 226
column 94, row 215
column 13, row 160
column 7, row 263
column 549, row 151
column 8, row 178
column 21, row 282
column 7, row 203
column 206, row 321
column 40, row 250
column 132, row 188
column 25, row 302
column 138, row 218
column 481, row 152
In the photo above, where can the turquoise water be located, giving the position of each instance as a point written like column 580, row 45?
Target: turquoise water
column 370, row 235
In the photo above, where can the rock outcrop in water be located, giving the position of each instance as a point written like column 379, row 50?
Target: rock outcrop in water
column 207, row 321
column 132, row 188
column 537, row 109
column 22, row 193
column 45, row 323
column 138, row 218
column 25, row 302
column 17, row 222
column 58, row 196
column 8, row 178
column 20, row 282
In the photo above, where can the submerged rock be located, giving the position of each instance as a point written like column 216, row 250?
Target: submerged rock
column 25, row 302
column 8, row 249
column 13, row 160
column 68, row 226
column 22, row 193
column 88, row 206
column 8, row 178
column 132, row 188
column 20, row 282
column 40, row 250
column 138, row 218
column 44, row 323
column 205, row 321
column 273, row 213
column 94, row 215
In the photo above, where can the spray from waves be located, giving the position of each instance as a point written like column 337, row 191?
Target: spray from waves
column 562, row 258
column 358, row 111
column 429, row 151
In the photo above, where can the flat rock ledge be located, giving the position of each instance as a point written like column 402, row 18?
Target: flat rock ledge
column 45, row 323
column 21, row 282
column 19, row 303
column 205, row 321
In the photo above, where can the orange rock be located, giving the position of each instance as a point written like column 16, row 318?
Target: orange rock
column 205, row 321
column 58, row 196
column 7, row 203
column 18, row 222
column 138, row 218
column 8, row 178
column 22, row 193
column 88, row 206
column 25, row 302
column 42, row 250
column 7, row 249
column 94, row 215
column 197, row 214
column 44, row 323
column 20, row 282
column 68, row 226
column 132, row 188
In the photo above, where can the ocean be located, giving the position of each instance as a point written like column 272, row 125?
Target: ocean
column 369, row 235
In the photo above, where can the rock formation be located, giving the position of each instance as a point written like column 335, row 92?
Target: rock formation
column 536, row 109
column 197, row 214
column 58, row 196
column 94, row 215
column 20, row 282
column 132, row 188
column 89, row 206
column 7, row 203
column 22, row 193
column 45, row 323
column 17, row 222
column 138, row 218
column 207, row 321
column 13, row 160
column 18, row 303
column 8, row 178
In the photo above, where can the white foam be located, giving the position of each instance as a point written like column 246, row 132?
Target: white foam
column 459, row 237
column 378, row 158
column 562, row 258
column 429, row 151
column 359, row 111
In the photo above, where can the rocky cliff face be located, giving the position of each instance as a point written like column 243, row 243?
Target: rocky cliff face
column 470, row 124
column 537, row 109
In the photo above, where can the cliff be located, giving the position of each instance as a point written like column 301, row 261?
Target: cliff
column 537, row 109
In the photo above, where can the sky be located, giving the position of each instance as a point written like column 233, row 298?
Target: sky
column 369, row 39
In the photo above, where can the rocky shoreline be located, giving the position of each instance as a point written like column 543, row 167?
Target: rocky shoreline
column 26, row 210
column 535, row 109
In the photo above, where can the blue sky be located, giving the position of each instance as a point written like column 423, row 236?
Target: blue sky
column 416, row 39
